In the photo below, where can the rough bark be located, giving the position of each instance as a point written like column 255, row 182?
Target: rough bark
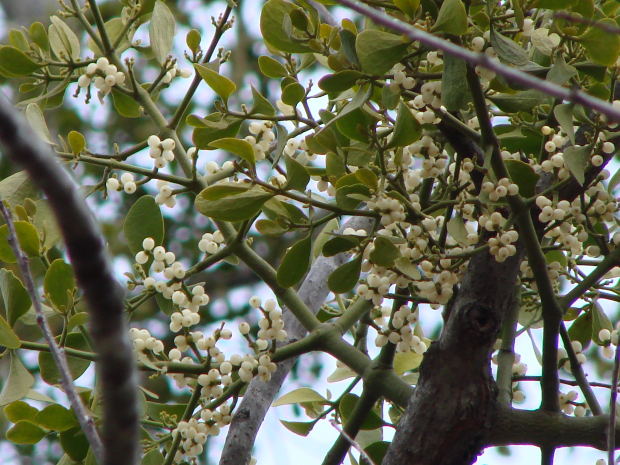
column 259, row 396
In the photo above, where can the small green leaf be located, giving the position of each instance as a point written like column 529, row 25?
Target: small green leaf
column 523, row 175
column 302, row 428
column 576, row 158
column 18, row 383
column 340, row 81
column 458, row 231
column 143, row 220
column 384, row 253
column 508, row 50
column 599, row 321
column 77, row 142
column 407, row 129
column 295, row 263
column 452, row 18
column 35, row 118
column 153, row 457
column 300, row 395
column 125, row 105
column 27, row 237
column 271, row 67
column 222, row 127
column 346, row 406
column 349, row 197
column 74, row 443
column 161, row 31
column 556, row 256
column 20, row 410
column 409, row 7
column 192, row 39
column 520, row 101
column 236, row 207
column 77, row 366
column 63, row 40
column 407, row 268
column 273, row 17
column 8, row 338
column 239, row 147
column 367, row 177
column 56, row 417
column 339, row 244
column 25, row 432
column 269, row 228
column 406, row 361
column 293, row 93
column 16, row 298
column 261, row 105
column 564, row 114
column 222, row 86
column 15, row 63
column 59, row 284
column 345, row 277
column 581, row 329
column 377, row 450
column 378, row 51
column 602, row 46
column 454, row 90
column 79, row 319
column 38, row 34
column 17, row 187
column 296, row 174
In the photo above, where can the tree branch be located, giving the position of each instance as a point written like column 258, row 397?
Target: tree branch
column 116, row 367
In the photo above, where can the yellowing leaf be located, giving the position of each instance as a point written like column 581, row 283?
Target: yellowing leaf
column 300, row 395
column 237, row 146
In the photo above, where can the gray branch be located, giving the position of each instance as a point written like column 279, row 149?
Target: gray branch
column 103, row 295
column 259, row 396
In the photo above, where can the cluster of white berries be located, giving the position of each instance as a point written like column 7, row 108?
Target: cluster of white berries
column 433, row 160
column 501, row 246
column 390, row 209
column 261, row 138
column 126, row 182
column 428, row 99
column 165, row 194
column 212, row 167
column 211, row 243
column 194, row 433
column 503, row 188
column 399, row 331
column 271, row 326
column 161, row 151
column 175, row 71
column 354, row 232
column 400, row 78
column 104, row 76
column 563, row 360
column 568, row 406
column 143, row 341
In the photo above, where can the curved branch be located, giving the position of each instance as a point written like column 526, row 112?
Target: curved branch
column 116, row 366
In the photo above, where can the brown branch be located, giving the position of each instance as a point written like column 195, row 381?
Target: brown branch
column 116, row 366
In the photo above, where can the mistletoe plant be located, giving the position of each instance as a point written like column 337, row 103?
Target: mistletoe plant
column 416, row 155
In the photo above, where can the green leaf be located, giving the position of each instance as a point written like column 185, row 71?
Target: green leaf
column 17, row 187
column 599, row 321
column 602, row 47
column 378, row 51
column 114, row 28
column 25, row 432
column 261, row 105
column 508, row 50
column 409, row 7
column 237, row 207
column 367, row 177
column 223, row 127
column 47, row 226
column 27, row 237
column 407, row 129
column 384, row 253
column 59, row 284
column 296, row 174
column 339, row 244
column 35, row 118
column 192, row 39
column 125, row 105
column 458, row 231
column 38, row 34
column 143, row 220
column 556, row 256
column 340, row 81
column 581, row 329
column 293, row 93
column 271, row 67
column 77, row 366
column 15, row 297
column 222, row 86
column 56, row 417
column 454, row 90
column 523, row 175
column 349, row 197
column 77, row 142
column 153, row 457
column 407, row 268
column 345, row 277
column 15, row 63
column 269, row 228
column 564, row 114
column 520, row 101
column 576, row 158
column 161, row 31
column 20, row 410
column 239, row 147
column 295, row 263
column 8, row 338
column 18, row 383
column 452, row 18
column 74, row 443
column 300, row 395
column 346, row 406
column 377, row 450
column 406, row 361
column 302, row 428
column 63, row 40
column 272, row 25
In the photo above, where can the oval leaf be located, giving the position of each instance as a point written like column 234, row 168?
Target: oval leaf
column 237, row 146
column 222, row 86
column 143, row 220
column 295, row 263
column 161, row 31
column 345, row 277
column 59, row 284
column 300, row 395
column 27, row 237
column 236, row 207
column 25, row 432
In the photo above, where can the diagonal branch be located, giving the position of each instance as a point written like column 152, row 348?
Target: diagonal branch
column 104, row 297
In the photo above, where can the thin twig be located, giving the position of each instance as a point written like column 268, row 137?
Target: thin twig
column 611, row 432
column 352, row 441
column 66, row 380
